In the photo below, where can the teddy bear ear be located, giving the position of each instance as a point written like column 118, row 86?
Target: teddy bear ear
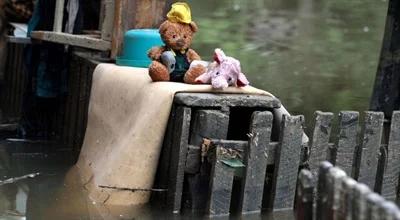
column 193, row 26
column 163, row 27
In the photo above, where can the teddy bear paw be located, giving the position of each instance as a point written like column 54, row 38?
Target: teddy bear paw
column 193, row 73
column 158, row 72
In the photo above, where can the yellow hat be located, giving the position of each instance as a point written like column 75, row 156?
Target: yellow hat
column 180, row 12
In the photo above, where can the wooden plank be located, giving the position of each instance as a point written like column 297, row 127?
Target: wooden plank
column 220, row 186
column 107, row 20
column 322, row 193
column 389, row 211
column 255, row 161
column 58, row 15
column 370, row 148
column 305, row 195
column 390, row 182
column 347, row 197
column 19, row 40
column 374, row 200
column 220, row 100
column 178, row 160
column 205, row 124
column 361, row 191
column 72, row 39
column 136, row 15
column 320, row 140
column 162, row 175
column 346, row 146
column 287, row 161
column 334, row 188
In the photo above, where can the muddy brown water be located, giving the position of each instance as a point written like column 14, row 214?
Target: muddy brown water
column 311, row 54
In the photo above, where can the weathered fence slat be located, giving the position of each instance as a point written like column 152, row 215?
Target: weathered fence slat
column 346, row 205
column 220, row 186
column 334, row 187
column 360, row 201
column 348, row 124
column 320, row 140
column 256, row 162
column 305, row 196
column 177, row 165
column 374, row 200
column 321, row 194
column 369, row 155
column 206, row 124
column 287, row 161
column 392, row 167
column 389, row 211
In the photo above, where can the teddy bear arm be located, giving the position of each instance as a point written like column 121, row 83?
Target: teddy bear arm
column 155, row 52
column 192, row 55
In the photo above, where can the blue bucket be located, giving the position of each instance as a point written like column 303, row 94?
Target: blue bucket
column 137, row 42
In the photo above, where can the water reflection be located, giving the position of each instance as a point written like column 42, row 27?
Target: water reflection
column 311, row 54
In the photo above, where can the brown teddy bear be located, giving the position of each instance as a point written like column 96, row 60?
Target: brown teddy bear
column 172, row 62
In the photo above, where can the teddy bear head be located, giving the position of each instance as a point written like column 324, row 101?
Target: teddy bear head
column 176, row 35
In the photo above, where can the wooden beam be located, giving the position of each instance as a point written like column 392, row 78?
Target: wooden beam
column 58, row 16
column 386, row 90
column 73, row 40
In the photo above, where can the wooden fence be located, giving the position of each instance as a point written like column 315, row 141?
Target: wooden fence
column 337, row 196
column 269, row 178
column 361, row 156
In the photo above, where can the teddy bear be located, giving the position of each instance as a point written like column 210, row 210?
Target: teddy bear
column 172, row 61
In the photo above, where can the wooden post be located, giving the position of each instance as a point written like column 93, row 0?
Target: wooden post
column 347, row 198
column 220, row 186
column 346, row 147
column 305, row 196
column 177, row 166
column 334, row 187
column 390, row 182
column 322, row 195
column 361, row 191
column 256, row 162
column 58, row 16
column 287, row 161
column 320, row 140
column 206, row 124
column 369, row 154
column 386, row 91
column 374, row 200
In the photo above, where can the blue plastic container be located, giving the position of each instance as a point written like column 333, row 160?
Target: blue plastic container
column 137, row 42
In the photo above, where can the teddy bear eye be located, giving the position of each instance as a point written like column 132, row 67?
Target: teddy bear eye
column 184, row 36
column 174, row 36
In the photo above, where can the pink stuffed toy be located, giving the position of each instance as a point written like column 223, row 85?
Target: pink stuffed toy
column 223, row 72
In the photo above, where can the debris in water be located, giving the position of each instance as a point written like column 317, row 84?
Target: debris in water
column 133, row 189
column 15, row 179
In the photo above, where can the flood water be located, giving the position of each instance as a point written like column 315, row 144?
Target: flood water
column 312, row 54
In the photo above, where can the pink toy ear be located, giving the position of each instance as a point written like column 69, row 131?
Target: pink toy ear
column 242, row 80
column 219, row 55
column 204, row 78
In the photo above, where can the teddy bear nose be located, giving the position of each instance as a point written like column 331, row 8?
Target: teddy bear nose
column 180, row 42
